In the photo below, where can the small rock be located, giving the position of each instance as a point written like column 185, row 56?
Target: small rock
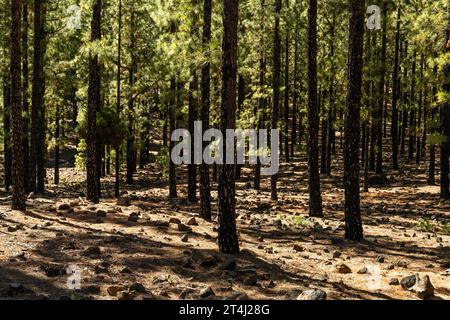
column 394, row 282
column 12, row 229
column 363, row 270
column 298, row 248
column 408, row 282
column 206, row 292
column 115, row 289
column 126, row 270
column 185, row 238
column 192, row 222
column 184, row 228
column 390, row 266
column 126, row 295
column 138, row 288
column 63, row 207
column 92, row 251
column 380, row 259
column 336, row 254
column 402, row 264
column 314, row 294
column 100, row 213
column 174, row 220
column 134, row 217
column 343, row 268
column 423, row 287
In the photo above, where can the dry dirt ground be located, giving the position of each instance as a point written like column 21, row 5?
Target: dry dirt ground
column 283, row 252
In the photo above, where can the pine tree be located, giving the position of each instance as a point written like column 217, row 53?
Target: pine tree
column 228, row 239
column 353, row 224
column 315, row 198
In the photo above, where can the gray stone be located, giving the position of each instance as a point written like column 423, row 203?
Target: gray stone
column 314, row 294
column 207, row 292
column 408, row 282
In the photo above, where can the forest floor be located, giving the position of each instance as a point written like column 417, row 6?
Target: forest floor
column 153, row 249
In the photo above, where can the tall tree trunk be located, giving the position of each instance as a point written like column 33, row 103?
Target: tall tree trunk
column 276, row 88
column 432, row 164
column 331, row 89
column 56, row 173
column 260, row 108
column 395, row 91
column 404, row 100
column 118, row 107
column 323, row 134
column 205, row 189
column 419, row 117
column 295, row 94
column 38, row 145
column 240, row 105
column 172, row 169
column 228, row 238
column 286, row 90
column 192, row 167
column 412, row 116
column 18, row 197
column 445, row 125
column 131, row 158
column 315, row 198
column 92, row 162
column 353, row 224
column 378, row 119
column 25, row 97
column 7, row 147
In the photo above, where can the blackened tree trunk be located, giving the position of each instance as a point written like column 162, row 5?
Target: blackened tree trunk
column 92, row 171
column 353, row 224
column 192, row 167
column 315, row 198
column 172, row 169
column 240, row 106
column 331, row 108
column 260, row 108
column 38, row 144
column 412, row 115
column 118, row 106
column 395, row 91
column 205, row 189
column 228, row 238
column 7, row 148
column 18, row 197
column 404, row 99
column 57, row 129
column 419, row 116
column 25, row 97
column 276, row 88
column 445, row 125
column 378, row 118
column 433, row 129
column 295, row 94
column 131, row 149
column 323, row 134
column 286, row 90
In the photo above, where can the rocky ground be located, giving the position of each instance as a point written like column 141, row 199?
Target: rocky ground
column 147, row 247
